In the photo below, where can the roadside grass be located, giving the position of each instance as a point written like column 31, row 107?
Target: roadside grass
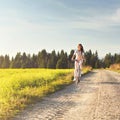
column 118, row 71
column 115, row 67
column 21, row 87
column 86, row 69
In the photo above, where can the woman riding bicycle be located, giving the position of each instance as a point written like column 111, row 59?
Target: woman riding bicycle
column 78, row 57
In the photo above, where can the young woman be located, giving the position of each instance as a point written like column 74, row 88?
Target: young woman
column 78, row 57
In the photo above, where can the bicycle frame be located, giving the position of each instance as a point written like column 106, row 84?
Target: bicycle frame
column 79, row 74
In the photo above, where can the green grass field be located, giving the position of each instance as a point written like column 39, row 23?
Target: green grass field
column 20, row 87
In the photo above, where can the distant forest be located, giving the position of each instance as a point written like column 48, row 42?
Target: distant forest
column 55, row 59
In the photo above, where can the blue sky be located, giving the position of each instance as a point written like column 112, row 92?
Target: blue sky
column 32, row 25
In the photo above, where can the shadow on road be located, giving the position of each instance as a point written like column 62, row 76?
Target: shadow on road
column 88, row 75
column 110, row 83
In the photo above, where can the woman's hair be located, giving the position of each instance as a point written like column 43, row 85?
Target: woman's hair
column 82, row 49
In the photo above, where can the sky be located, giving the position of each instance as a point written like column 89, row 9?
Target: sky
column 32, row 25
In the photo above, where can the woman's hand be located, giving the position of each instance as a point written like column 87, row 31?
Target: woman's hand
column 72, row 59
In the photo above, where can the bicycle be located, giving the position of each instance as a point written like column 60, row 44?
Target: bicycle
column 78, row 72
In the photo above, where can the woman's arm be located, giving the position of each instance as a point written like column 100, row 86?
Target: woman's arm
column 73, row 57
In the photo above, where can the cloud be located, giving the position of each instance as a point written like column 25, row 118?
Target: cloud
column 116, row 16
column 97, row 22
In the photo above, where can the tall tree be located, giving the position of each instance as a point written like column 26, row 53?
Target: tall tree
column 6, row 62
column 42, row 59
column 1, row 61
column 34, row 62
column 108, row 60
column 70, row 63
column 24, row 60
column 17, row 63
column 52, row 60
column 63, row 61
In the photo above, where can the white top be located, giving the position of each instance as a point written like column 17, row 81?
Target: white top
column 79, row 55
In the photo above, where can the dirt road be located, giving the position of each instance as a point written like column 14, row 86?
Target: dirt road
column 97, row 97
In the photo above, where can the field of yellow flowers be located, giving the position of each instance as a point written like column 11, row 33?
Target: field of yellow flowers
column 20, row 87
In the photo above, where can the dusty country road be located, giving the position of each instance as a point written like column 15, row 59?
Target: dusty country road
column 97, row 97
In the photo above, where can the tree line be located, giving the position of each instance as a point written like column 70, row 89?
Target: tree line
column 53, row 60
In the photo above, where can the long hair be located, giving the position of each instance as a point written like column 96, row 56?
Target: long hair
column 82, row 49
